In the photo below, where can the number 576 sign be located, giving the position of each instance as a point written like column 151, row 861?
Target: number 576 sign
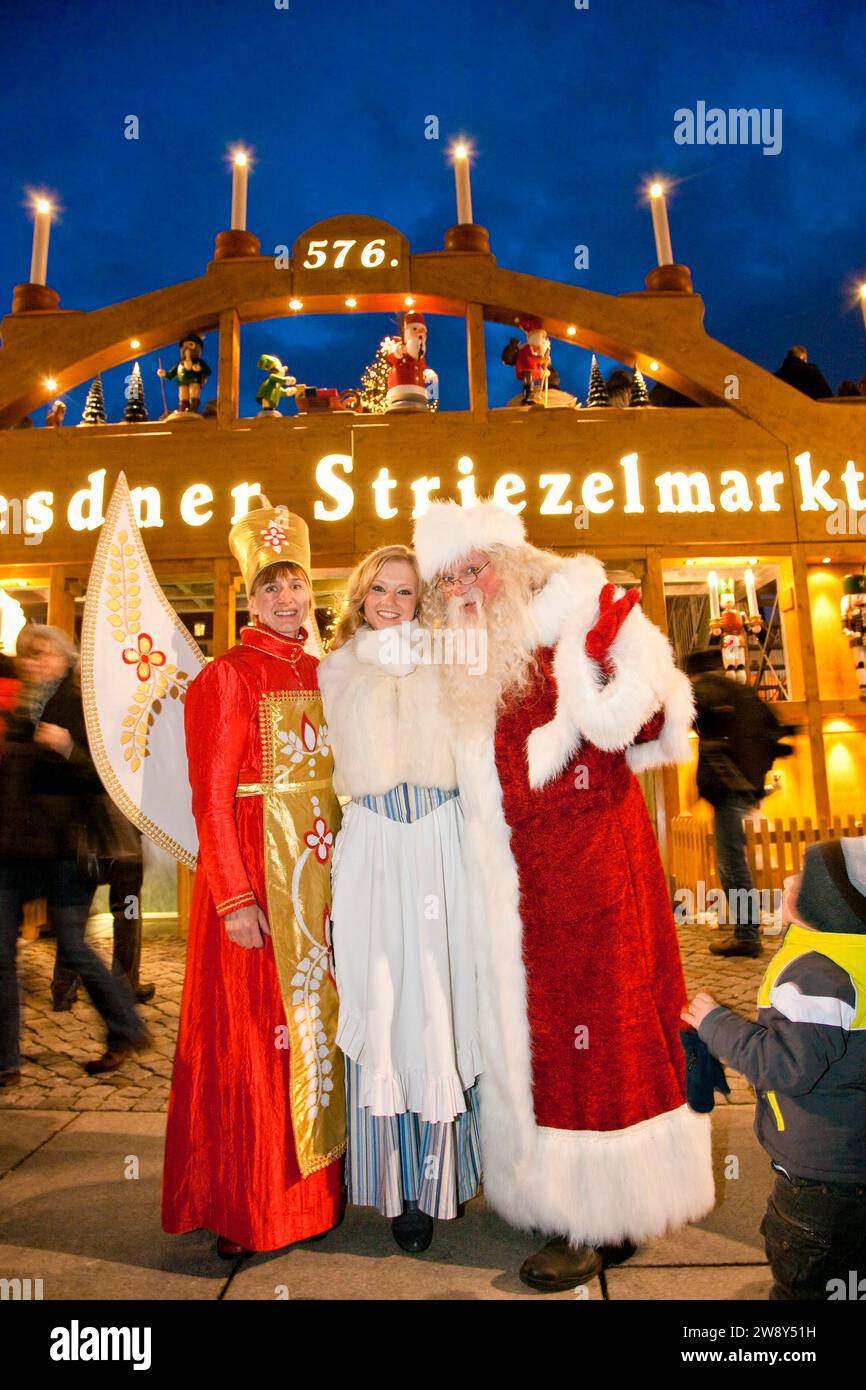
column 352, row 250
column 348, row 252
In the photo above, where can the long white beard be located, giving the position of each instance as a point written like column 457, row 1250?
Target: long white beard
column 472, row 699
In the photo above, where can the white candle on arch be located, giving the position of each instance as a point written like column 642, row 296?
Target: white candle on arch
column 751, row 594
column 661, row 229
column 41, row 233
column 713, row 586
column 863, row 303
column 240, row 171
column 461, row 179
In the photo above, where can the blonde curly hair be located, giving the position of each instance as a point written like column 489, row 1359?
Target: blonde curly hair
column 358, row 587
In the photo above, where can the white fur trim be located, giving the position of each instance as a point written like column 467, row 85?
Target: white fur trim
column 608, row 714
column 384, row 728
column 446, row 532
column 594, row 1187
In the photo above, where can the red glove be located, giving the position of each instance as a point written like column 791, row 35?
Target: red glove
column 612, row 613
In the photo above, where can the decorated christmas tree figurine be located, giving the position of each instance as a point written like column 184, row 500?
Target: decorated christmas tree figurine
column 531, row 362
column 276, row 384
column 374, row 380
column 94, row 406
column 54, row 416
column 135, row 408
column 409, row 374
column 191, row 372
column 639, row 393
column 597, row 389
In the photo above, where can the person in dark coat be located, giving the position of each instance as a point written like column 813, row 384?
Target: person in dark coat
column 803, row 375
column 739, row 740
column 47, row 786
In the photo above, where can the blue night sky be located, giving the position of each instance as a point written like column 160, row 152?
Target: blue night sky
column 569, row 111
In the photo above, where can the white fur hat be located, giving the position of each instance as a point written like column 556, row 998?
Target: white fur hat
column 447, row 532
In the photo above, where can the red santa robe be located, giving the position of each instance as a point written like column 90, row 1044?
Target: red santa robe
column 584, row 1125
column 230, row 1157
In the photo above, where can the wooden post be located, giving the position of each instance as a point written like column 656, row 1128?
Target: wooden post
column 224, row 590
column 61, row 601
column 667, row 780
column 477, row 362
column 185, row 881
column 810, row 682
column 228, row 370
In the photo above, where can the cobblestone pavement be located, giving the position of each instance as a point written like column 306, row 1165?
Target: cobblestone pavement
column 55, row 1046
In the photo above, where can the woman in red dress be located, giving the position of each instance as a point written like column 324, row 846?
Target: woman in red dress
column 256, row 1122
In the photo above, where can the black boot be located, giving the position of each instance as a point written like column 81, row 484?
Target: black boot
column 413, row 1231
column 559, row 1266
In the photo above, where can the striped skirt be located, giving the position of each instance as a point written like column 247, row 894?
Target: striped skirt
column 392, row 1159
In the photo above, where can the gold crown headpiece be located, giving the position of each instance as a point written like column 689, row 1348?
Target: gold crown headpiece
column 270, row 536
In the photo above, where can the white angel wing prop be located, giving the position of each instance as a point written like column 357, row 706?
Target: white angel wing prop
column 137, row 660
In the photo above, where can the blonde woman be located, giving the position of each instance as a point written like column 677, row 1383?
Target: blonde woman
column 403, row 959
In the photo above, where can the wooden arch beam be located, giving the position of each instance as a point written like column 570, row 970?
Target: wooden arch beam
column 71, row 346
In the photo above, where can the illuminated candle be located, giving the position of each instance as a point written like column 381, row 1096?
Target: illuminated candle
column 461, row 179
column 41, row 232
column 713, row 586
column 751, row 595
column 664, row 253
column 863, row 303
column 240, row 170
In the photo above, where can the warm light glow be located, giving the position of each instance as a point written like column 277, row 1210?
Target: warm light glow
column 691, row 562
column 460, row 152
column 50, row 384
column 408, row 301
column 295, row 304
column 240, row 158
column 656, row 190
column 863, row 291
column 351, row 303
column 753, row 562
column 826, row 560
column 135, row 344
column 837, row 726
column 571, row 330
column 653, row 366
column 43, row 205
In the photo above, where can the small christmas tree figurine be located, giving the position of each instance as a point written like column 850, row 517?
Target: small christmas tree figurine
column 94, row 406
column 374, row 380
column 597, row 389
column 639, row 393
column 135, row 408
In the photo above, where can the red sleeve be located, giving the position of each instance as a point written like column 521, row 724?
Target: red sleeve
column 10, row 689
column 217, row 723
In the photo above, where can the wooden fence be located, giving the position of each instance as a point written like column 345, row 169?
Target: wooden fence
column 774, row 848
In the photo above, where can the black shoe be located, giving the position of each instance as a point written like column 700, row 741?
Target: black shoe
column 144, row 993
column 62, row 1003
column 737, row 946
column 559, row 1266
column 617, row 1254
column 413, row 1231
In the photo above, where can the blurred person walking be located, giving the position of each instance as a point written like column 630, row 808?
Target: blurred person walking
column 48, row 787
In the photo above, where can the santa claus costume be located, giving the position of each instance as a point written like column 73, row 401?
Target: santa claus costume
column 256, row 1119
column 402, row 942
column 584, row 1125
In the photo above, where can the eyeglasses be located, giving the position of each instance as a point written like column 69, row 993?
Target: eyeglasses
column 467, row 578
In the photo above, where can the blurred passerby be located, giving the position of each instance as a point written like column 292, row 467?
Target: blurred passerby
column 10, row 693
column 738, row 742
column 803, row 375
column 122, row 869
column 47, row 785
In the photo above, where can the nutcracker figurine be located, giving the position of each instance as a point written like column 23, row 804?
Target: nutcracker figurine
column 854, row 623
column 409, row 374
column 732, row 625
column 191, row 371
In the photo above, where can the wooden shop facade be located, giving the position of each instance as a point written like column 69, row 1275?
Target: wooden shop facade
column 757, row 478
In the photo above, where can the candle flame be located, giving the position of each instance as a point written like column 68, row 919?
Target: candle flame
column 657, row 190
column 43, row 205
column 240, row 157
column 863, row 291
